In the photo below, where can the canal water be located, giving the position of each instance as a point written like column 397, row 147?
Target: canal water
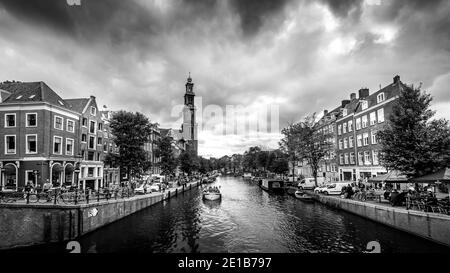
column 247, row 219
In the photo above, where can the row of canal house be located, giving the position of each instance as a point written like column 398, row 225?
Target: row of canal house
column 354, row 125
column 44, row 137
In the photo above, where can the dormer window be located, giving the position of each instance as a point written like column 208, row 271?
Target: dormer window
column 380, row 97
column 364, row 105
column 19, row 97
column 93, row 111
column 60, row 102
column 344, row 112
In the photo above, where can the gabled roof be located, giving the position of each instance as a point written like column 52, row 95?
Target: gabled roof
column 77, row 105
column 32, row 92
column 4, row 94
column 389, row 91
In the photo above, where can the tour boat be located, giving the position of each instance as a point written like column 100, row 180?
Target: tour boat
column 272, row 185
column 212, row 195
column 303, row 196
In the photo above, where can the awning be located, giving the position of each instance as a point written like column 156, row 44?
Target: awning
column 390, row 177
column 442, row 176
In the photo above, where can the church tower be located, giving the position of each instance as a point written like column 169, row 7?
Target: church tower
column 189, row 126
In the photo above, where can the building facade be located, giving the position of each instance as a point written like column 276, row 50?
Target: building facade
column 358, row 147
column 38, row 137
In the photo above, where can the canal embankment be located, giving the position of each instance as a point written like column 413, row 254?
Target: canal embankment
column 431, row 226
column 33, row 224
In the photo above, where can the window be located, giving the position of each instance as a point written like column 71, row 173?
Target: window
column 341, row 159
column 10, row 120
column 99, row 141
column 380, row 97
column 339, row 129
column 69, row 146
column 375, row 157
column 57, row 144
column 380, row 114
column 83, row 138
column 91, row 156
column 92, row 127
column 373, row 118
column 344, row 128
column 352, row 158
column 340, row 144
column 31, row 147
column 70, row 126
column 366, row 139
column 364, row 121
column 93, row 110
column 364, row 105
column 10, row 144
column 345, row 143
column 359, row 140
column 58, row 123
column 331, row 129
column 374, row 137
column 350, row 142
column 346, row 158
column 360, row 158
column 350, row 125
column 85, row 121
column 91, row 142
column 100, row 126
column 358, row 124
column 344, row 112
column 366, row 158
column 31, row 120
column 98, row 157
column 91, row 172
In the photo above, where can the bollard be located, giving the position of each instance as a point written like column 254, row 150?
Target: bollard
column 76, row 196
column 87, row 198
column 98, row 196
column 54, row 202
column 176, row 192
column 28, row 197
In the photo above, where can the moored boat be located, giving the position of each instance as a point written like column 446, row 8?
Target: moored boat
column 303, row 196
column 272, row 185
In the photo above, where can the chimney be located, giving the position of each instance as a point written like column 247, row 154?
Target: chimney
column 344, row 103
column 396, row 79
column 325, row 112
column 363, row 93
column 93, row 97
column 353, row 96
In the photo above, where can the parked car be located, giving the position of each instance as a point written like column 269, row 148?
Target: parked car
column 155, row 187
column 320, row 188
column 336, row 188
column 309, row 183
column 143, row 188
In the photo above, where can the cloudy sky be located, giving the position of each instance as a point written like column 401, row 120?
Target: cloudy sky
column 297, row 57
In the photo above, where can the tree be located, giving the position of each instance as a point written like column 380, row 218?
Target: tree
column 168, row 163
column 288, row 144
column 278, row 162
column 305, row 142
column 250, row 159
column 411, row 143
column 188, row 161
column 131, row 131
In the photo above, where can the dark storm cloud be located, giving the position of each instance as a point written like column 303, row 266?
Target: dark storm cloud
column 253, row 13
column 343, row 8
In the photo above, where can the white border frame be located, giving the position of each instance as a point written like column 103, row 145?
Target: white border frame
column 26, row 120
column 62, row 123
column 53, row 146
column 73, row 146
column 15, row 120
column 27, row 151
column 15, row 146
column 67, row 125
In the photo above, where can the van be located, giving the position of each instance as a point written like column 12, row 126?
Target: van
column 335, row 188
column 309, row 183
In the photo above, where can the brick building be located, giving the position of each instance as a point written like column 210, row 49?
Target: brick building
column 361, row 118
column 38, row 137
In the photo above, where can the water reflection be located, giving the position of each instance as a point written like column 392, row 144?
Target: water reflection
column 247, row 219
